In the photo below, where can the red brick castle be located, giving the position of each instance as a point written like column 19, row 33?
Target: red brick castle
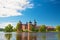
column 27, row 25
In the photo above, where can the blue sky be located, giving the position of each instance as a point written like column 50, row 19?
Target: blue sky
column 43, row 11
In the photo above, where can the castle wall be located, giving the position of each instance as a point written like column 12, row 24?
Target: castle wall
column 23, row 27
column 29, row 26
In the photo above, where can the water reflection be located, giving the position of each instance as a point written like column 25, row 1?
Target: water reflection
column 43, row 37
column 30, row 36
column 25, row 36
column 8, row 36
column 58, row 36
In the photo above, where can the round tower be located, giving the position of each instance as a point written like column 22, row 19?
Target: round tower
column 35, row 23
column 29, row 25
column 20, row 25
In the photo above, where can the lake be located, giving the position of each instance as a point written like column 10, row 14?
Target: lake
column 30, row 36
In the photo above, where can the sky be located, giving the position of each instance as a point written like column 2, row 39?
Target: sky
column 45, row 12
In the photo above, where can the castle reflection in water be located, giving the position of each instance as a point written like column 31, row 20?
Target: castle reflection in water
column 31, row 36
column 25, row 36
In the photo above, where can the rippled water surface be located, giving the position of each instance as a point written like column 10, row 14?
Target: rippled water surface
column 29, row 36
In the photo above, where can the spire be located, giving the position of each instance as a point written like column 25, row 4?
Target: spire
column 35, row 22
column 30, row 22
column 20, row 22
column 26, row 23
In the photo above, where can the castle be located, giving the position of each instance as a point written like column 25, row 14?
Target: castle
column 27, row 25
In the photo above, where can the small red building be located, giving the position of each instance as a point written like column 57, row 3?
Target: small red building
column 50, row 28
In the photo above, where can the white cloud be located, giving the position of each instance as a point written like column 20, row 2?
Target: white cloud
column 10, row 7
column 2, row 25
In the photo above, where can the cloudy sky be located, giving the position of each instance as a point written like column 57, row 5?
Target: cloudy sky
column 43, row 11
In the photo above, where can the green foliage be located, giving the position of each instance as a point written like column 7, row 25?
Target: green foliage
column 26, row 30
column 14, row 29
column 18, row 26
column 42, row 28
column 58, row 28
column 32, row 28
column 21, row 30
column 36, row 30
column 9, row 28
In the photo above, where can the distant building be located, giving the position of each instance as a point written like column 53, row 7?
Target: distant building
column 50, row 28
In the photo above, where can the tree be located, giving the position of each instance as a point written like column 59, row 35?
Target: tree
column 36, row 30
column 9, row 28
column 42, row 28
column 14, row 29
column 58, row 28
column 18, row 26
column 32, row 28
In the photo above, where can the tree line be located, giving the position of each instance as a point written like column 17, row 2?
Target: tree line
column 42, row 28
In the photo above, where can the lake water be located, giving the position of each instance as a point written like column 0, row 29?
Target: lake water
column 30, row 36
